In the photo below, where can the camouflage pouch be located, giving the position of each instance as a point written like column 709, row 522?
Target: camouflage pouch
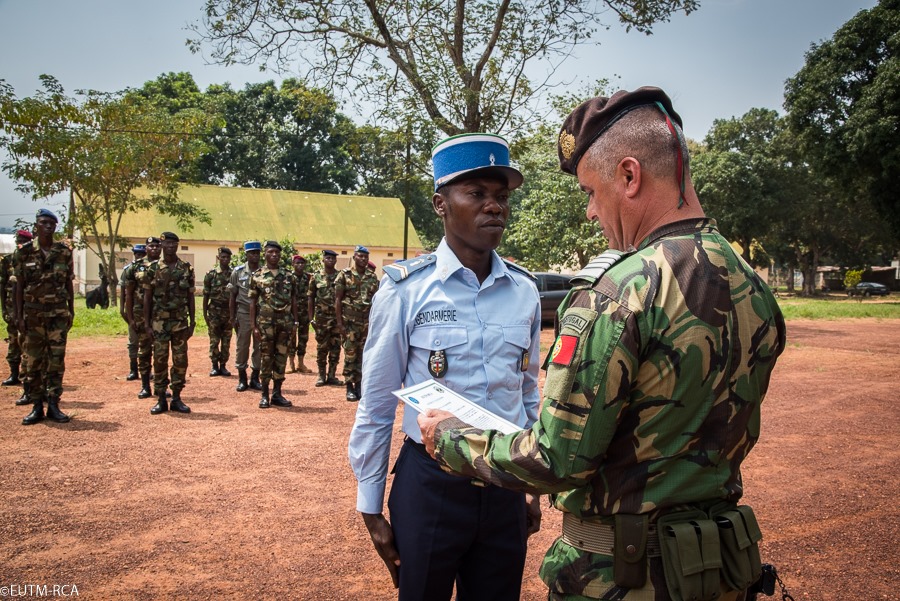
column 691, row 556
column 630, row 556
column 739, row 535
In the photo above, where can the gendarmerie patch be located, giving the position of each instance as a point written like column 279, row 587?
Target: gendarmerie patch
column 525, row 361
column 437, row 364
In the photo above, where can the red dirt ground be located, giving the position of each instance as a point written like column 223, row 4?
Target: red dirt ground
column 236, row 502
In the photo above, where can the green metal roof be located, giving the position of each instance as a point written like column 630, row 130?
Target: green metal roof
column 313, row 218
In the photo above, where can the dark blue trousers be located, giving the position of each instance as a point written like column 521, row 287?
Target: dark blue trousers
column 448, row 530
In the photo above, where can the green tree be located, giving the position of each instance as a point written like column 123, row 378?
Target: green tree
column 844, row 105
column 113, row 153
column 463, row 64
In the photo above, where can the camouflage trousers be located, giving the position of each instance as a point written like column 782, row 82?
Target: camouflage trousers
column 275, row 333
column 174, row 334
column 298, row 342
column 44, row 355
column 219, row 335
column 14, row 350
column 132, row 345
column 357, row 330
column 144, row 346
column 328, row 340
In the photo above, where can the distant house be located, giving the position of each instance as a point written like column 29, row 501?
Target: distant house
column 313, row 220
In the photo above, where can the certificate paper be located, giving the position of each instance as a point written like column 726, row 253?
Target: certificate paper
column 432, row 395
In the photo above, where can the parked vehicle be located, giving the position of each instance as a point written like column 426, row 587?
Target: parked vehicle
column 553, row 288
column 868, row 289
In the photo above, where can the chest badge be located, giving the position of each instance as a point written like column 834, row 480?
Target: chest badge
column 437, row 364
column 526, row 361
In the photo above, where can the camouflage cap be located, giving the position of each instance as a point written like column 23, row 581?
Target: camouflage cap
column 592, row 118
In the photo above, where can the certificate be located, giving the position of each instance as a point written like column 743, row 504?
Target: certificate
column 432, row 395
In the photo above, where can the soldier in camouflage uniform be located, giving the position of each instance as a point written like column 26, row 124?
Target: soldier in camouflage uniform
column 169, row 321
column 652, row 398
column 273, row 311
column 134, row 310
column 8, row 301
column 321, row 313
column 299, row 340
column 353, row 291
column 139, row 251
column 45, row 307
column 216, row 312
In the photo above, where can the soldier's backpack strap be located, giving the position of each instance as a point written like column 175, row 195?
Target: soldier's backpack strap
column 520, row 269
column 597, row 266
column 403, row 269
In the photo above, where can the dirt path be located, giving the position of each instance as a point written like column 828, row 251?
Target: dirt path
column 237, row 502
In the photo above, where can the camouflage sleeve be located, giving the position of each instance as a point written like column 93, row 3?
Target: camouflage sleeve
column 150, row 275
column 589, row 373
column 340, row 283
column 208, row 282
column 253, row 291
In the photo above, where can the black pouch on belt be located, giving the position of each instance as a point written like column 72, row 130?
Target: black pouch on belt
column 630, row 554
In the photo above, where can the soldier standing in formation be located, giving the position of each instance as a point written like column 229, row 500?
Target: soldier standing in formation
column 8, row 301
column 321, row 314
column 45, row 308
column 139, row 251
column 300, row 338
column 134, row 312
column 169, row 319
column 354, row 288
column 273, row 313
column 239, row 309
column 216, row 312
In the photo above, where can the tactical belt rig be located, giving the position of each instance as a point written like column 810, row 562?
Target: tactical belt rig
column 699, row 548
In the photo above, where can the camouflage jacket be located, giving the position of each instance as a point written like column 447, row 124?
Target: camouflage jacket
column 44, row 280
column 135, row 276
column 172, row 289
column 652, row 396
column 273, row 292
column 7, row 281
column 358, row 291
column 215, row 287
column 321, row 290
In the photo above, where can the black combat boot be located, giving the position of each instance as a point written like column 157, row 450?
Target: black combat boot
column 264, row 399
column 162, row 405
column 13, row 379
column 351, row 392
column 321, row 379
column 215, row 370
column 133, row 374
column 145, row 387
column 23, row 400
column 332, row 380
column 176, row 404
column 358, row 390
column 277, row 398
column 36, row 415
column 223, row 371
column 53, row 412
column 242, row 380
column 254, row 380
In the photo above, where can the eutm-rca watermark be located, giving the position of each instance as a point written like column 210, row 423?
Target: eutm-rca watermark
column 38, row 590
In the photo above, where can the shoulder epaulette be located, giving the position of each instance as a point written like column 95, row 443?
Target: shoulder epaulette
column 597, row 266
column 520, row 269
column 403, row 269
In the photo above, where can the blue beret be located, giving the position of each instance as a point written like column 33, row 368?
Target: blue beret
column 252, row 245
column 361, row 249
column 169, row 236
column 138, row 248
column 329, row 253
column 47, row 213
column 473, row 154
column 273, row 244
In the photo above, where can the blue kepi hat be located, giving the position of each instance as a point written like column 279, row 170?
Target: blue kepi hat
column 252, row 245
column 470, row 154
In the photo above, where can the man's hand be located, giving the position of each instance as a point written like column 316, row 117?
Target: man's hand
column 428, row 424
column 532, row 513
column 383, row 538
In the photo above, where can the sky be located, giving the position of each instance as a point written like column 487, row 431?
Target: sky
column 716, row 63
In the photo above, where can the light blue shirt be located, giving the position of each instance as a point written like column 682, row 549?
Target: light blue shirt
column 484, row 330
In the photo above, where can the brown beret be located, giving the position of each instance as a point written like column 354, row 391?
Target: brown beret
column 592, row 118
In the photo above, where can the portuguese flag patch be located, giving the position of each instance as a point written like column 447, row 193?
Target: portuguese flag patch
column 564, row 350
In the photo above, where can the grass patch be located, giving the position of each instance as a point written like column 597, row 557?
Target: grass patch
column 838, row 307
